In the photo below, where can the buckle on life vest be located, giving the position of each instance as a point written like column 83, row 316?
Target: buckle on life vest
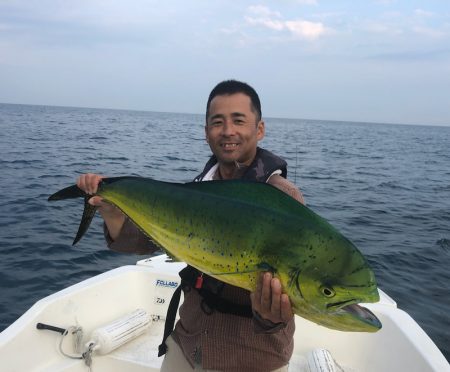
column 199, row 281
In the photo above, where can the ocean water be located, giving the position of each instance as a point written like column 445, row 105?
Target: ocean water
column 386, row 187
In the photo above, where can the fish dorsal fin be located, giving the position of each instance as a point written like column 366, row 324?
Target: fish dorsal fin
column 249, row 192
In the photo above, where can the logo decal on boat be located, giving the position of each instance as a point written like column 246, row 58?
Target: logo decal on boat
column 166, row 283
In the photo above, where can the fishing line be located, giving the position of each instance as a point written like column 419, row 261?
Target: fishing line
column 238, row 165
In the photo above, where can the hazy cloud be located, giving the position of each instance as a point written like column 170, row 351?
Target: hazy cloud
column 378, row 27
column 305, row 29
column 423, row 13
column 307, row 2
column 298, row 28
column 429, row 32
column 384, row 2
column 263, row 11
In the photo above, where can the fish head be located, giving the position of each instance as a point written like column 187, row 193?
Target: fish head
column 328, row 286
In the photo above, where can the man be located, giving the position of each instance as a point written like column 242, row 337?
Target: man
column 236, row 330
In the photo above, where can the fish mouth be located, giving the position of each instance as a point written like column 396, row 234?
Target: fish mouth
column 352, row 308
column 363, row 314
column 342, row 304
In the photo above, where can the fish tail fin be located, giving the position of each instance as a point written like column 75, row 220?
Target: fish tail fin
column 88, row 215
column 72, row 192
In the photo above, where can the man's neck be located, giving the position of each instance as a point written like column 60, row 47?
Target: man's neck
column 230, row 171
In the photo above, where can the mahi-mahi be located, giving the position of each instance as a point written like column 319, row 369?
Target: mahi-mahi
column 233, row 230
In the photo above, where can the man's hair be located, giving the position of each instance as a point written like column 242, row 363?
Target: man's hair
column 229, row 87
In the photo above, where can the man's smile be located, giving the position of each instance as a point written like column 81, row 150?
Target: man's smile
column 229, row 145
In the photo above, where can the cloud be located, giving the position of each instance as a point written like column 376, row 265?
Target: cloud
column 429, row 32
column 423, row 13
column 384, row 2
column 266, row 22
column 377, row 27
column 298, row 28
column 407, row 25
column 307, row 2
column 305, row 29
column 263, row 11
column 414, row 55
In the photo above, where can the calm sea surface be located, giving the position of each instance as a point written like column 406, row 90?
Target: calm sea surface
column 386, row 187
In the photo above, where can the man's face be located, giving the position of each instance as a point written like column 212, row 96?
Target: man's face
column 232, row 130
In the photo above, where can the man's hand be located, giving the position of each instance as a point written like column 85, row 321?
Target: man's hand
column 89, row 184
column 113, row 217
column 269, row 302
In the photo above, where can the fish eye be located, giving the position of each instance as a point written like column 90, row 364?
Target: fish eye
column 327, row 291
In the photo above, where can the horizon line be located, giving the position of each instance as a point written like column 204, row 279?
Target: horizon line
column 202, row 114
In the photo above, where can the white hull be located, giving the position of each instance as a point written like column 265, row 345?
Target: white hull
column 400, row 346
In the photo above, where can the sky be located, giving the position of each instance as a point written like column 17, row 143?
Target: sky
column 382, row 61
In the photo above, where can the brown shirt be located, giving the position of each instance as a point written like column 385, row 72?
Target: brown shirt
column 226, row 342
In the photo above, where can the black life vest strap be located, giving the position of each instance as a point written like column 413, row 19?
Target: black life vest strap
column 170, row 320
column 210, row 290
column 211, row 301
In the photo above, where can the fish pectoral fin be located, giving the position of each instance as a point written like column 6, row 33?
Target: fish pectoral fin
column 264, row 266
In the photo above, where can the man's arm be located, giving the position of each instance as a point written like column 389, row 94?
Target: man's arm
column 268, row 301
column 287, row 187
column 113, row 217
column 120, row 233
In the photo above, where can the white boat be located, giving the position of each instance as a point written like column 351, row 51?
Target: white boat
column 401, row 345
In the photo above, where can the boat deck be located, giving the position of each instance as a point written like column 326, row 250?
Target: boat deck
column 401, row 345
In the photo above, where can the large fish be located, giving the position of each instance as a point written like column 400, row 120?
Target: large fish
column 233, row 230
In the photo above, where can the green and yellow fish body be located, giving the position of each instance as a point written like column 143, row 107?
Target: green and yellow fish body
column 233, row 230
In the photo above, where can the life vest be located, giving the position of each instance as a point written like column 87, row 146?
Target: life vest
column 263, row 166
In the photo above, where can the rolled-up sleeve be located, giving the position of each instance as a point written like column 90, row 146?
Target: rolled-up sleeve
column 265, row 326
column 130, row 240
